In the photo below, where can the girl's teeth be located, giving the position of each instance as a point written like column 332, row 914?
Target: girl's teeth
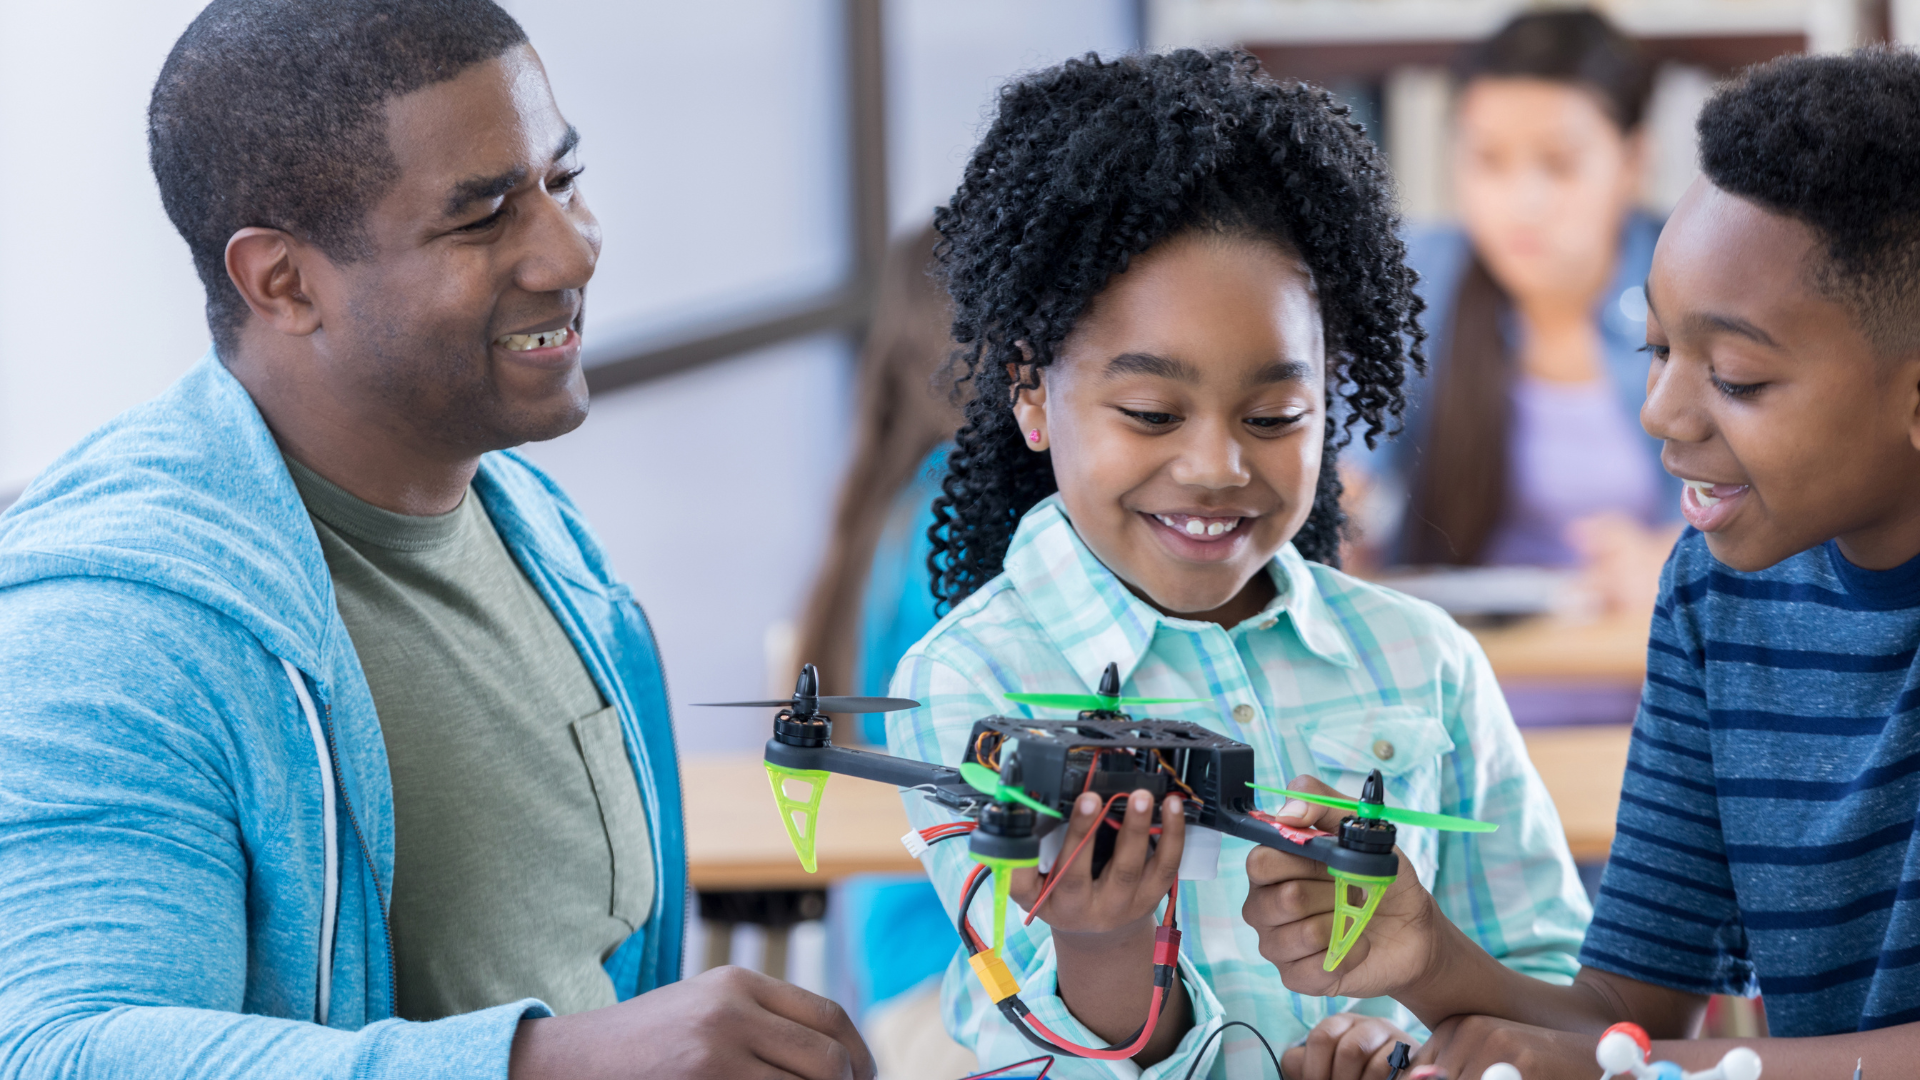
column 1199, row 526
column 547, row 340
column 1703, row 493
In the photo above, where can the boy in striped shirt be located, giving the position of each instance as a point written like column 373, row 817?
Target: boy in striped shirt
column 1766, row 833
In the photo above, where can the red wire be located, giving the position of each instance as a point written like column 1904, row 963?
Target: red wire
column 966, row 923
column 1060, row 868
column 1117, row 1053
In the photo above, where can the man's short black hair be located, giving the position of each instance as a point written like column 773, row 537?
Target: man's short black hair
column 273, row 113
column 1834, row 141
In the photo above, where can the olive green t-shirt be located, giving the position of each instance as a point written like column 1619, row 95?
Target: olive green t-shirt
column 522, row 856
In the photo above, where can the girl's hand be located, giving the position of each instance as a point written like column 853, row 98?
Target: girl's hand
column 1290, row 904
column 1131, row 884
column 1346, row 1046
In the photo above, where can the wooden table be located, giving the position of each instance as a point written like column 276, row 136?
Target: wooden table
column 1552, row 649
column 735, row 842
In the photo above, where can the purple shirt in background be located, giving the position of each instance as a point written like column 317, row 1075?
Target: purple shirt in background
column 1573, row 454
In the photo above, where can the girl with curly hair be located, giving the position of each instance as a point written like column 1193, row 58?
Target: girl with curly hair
column 1179, row 291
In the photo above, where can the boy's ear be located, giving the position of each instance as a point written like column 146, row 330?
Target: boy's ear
column 1029, row 401
column 265, row 266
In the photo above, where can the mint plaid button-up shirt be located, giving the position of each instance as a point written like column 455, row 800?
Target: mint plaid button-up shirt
column 1336, row 677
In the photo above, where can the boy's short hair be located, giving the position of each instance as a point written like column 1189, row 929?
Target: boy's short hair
column 273, row 113
column 1834, row 141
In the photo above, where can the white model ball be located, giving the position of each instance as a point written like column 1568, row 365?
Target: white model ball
column 1618, row 1053
column 1740, row 1063
column 1500, row 1070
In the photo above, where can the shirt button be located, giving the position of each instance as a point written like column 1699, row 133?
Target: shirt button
column 1269, row 624
column 1383, row 749
column 1242, row 713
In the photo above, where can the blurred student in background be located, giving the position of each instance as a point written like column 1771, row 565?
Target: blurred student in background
column 873, row 599
column 1524, row 445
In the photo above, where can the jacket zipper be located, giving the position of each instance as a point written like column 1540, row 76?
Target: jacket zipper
column 386, row 928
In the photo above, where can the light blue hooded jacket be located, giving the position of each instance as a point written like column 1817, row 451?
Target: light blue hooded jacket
column 196, row 822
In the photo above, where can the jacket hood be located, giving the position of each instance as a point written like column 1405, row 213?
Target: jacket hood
column 187, row 493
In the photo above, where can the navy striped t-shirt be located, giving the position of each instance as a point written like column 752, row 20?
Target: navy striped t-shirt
column 1766, row 832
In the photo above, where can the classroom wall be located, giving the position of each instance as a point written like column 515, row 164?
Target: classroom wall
column 97, row 293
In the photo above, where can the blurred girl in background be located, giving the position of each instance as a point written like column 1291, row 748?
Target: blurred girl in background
column 873, row 598
column 1524, row 446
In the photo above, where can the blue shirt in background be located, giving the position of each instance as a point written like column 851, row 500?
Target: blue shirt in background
column 1766, row 832
column 897, row 610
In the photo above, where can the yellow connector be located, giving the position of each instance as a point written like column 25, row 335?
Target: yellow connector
column 994, row 975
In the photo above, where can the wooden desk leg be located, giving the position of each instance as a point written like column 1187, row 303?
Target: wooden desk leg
column 774, row 963
column 719, row 944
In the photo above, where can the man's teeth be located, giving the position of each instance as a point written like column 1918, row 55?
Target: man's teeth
column 1703, row 493
column 547, row 340
column 1200, row 526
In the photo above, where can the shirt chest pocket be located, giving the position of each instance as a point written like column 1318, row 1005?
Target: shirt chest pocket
column 1404, row 742
column 621, row 814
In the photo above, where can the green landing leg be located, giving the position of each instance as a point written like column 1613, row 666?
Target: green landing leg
column 1002, row 870
column 1348, row 920
column 801, row 814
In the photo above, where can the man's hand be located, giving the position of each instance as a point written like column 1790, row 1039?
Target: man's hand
column 1346, row 1046
column 725, row 1024
column 1290, row 904
column 1465, row 1045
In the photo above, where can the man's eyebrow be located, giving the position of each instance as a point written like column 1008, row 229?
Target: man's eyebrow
column 488, row 188
column 483, row 189
column 1165, row 367
column 1282, row 371
column 1709, row 322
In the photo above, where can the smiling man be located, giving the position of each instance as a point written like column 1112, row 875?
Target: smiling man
column 331, row 746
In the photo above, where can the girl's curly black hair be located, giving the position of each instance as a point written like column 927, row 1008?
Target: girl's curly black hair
column 1093, row 162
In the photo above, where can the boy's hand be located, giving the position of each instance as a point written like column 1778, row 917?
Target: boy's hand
column 1346, row 1046
column 1290, row 904
column 1465, row 1045
column 1131, row 884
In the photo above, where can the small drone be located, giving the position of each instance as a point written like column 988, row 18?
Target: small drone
column 1019, row 779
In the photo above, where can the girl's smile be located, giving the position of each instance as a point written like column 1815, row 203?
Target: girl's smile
column 1198, row 536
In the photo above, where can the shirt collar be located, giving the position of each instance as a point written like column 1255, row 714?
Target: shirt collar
column 1095, row 620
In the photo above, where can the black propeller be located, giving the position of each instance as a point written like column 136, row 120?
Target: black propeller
column 806, row 700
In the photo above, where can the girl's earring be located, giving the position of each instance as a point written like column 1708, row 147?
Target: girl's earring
column 1034, row 436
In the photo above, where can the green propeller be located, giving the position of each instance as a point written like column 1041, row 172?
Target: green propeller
column 1391, row 813
column 1107, row 700
column 1079, row 702
column 987, row 782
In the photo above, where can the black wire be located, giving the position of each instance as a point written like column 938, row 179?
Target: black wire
column 1222, row 1030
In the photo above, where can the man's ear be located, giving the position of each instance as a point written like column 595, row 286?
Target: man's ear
column 1910, row 379
column 1029, row 402
column 265, row 265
